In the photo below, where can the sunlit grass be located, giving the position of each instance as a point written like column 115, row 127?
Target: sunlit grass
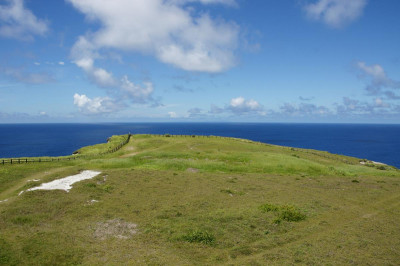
column 204, row 201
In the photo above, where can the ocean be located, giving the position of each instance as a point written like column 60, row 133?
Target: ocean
column 370, row 141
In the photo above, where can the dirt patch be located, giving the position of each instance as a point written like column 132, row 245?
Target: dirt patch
column 371, row 162
column 192, row 170
column 115, row 228
column 369, row 215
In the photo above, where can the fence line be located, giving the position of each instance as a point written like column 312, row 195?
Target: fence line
column 57, row 159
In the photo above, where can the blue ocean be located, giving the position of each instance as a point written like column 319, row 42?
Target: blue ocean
column 374, row 142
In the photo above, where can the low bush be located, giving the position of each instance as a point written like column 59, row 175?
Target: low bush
column 287, row 213
column 199, row 236
column 291, row 214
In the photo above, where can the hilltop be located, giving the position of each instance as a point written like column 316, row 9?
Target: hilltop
column 173, row 200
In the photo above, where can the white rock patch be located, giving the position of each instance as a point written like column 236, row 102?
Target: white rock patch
column 66, row 182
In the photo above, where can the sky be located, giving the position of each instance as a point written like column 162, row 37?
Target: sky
column 311, row 61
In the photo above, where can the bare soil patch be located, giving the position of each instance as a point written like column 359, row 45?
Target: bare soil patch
column 115, row 228
column 192, row 170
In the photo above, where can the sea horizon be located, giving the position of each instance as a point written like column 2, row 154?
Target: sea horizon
column 377, row 142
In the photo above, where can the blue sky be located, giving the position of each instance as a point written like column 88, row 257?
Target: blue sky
column 200, row 60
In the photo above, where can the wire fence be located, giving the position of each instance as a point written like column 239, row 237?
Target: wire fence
column 11, row 161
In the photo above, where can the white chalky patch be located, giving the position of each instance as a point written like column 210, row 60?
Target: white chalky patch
column 66, row 182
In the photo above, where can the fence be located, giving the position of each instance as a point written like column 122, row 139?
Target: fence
column 58, row 159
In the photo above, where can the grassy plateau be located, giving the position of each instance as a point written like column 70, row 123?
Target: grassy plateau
column 194, row 200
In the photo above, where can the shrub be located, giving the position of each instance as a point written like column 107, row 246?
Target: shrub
column 380, row 167
column 108, row 188
column 284, row 213
column 199, row 236
column 167, row 135
column 291, row 214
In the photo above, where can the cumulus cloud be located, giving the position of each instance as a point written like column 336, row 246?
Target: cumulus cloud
column 336, row 13
column 137, row 93
column 95, row 106
column 241, row 105
column 172, row 115
column 238, row 106
column 165, row 29
column 20, row 23
column 378, row 80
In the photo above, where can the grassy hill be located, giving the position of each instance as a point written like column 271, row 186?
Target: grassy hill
column 184, row 200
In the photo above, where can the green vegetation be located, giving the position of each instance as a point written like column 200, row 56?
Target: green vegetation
column 183, row 200
column 284, row 213
column 198, row 236
column 112, row 143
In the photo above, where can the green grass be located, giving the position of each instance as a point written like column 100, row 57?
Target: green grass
column 203, row 201
column 112, row 143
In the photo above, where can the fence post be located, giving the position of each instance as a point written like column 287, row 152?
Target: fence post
column 11, row 161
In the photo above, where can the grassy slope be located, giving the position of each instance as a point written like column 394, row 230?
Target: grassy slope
column 181, row 189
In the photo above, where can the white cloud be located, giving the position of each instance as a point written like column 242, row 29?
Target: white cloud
column 136, row 93
column 98, row 105
column 165, row 29
column 20, row 23
column 375, row 71
column 241, row 105
column 172, row 115
column 84, row 55
column 61, row 63
column 336, row 13
column 378, row 80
